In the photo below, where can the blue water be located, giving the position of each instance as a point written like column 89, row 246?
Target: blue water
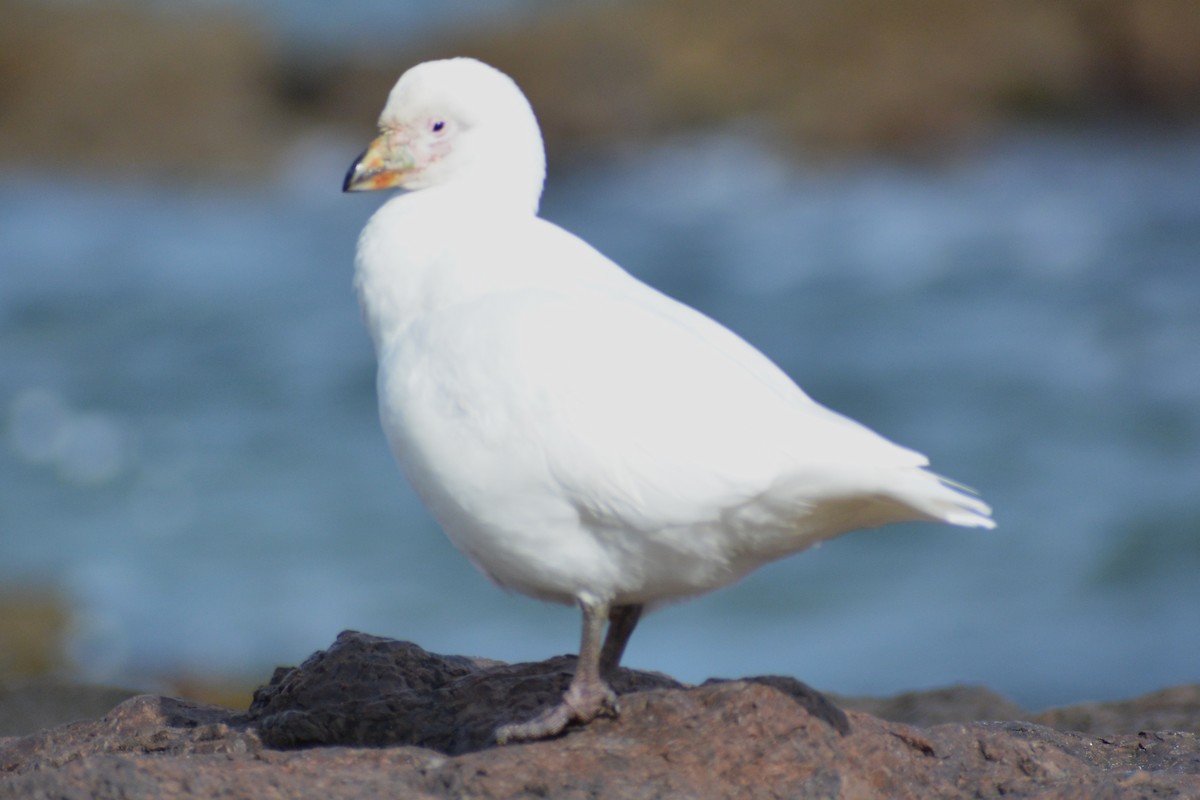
column 189, row 448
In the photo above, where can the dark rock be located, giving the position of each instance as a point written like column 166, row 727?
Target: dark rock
column 938, row 706
column 365, row 690
column 427, row 720
column 1175, row 709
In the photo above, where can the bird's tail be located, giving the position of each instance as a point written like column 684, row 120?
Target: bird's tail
column 957, row 504
column 829, row 500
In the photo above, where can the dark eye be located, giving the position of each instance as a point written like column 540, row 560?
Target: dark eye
column 438, row 126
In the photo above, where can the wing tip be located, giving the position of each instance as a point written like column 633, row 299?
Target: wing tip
column 967, row 511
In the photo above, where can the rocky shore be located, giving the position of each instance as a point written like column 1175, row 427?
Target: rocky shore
column 372, row 717
column 204, row 93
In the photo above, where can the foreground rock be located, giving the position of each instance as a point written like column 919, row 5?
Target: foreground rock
column 395, row 721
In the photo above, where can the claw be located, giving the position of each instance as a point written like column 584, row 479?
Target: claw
column 589, row 695
column 583, row 702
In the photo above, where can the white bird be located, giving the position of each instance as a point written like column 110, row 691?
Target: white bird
column 581, row 437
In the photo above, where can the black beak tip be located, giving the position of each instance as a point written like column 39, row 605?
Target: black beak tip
column 352, row 173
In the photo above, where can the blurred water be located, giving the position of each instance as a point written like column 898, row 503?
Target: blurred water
column 188, row 442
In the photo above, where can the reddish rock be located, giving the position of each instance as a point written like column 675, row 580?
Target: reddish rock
column 769, row 737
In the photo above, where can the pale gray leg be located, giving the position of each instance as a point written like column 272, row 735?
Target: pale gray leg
column 621, row 622
column 588, row 696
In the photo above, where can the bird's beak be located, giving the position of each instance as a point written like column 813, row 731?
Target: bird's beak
column 385, row 164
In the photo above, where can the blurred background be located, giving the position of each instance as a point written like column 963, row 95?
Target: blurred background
column 973, row 226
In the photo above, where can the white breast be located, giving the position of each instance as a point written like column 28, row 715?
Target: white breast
column 575, row 431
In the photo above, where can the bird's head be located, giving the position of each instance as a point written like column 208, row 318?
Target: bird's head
column 456, row 121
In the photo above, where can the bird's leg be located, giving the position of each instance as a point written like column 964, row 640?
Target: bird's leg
column 621, row 622
column 588, row 696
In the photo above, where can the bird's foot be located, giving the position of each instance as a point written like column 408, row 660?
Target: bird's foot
column 583, row 702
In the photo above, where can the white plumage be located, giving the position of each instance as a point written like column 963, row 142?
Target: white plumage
column 580, row 436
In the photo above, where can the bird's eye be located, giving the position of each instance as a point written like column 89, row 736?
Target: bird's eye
column 438, row 126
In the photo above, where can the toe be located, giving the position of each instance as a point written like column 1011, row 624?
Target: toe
column 581, row 703
column 549, row 723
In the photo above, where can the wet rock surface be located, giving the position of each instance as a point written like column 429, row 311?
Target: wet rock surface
column 373, row 717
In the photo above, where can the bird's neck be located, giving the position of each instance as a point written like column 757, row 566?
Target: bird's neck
column 427, row 249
